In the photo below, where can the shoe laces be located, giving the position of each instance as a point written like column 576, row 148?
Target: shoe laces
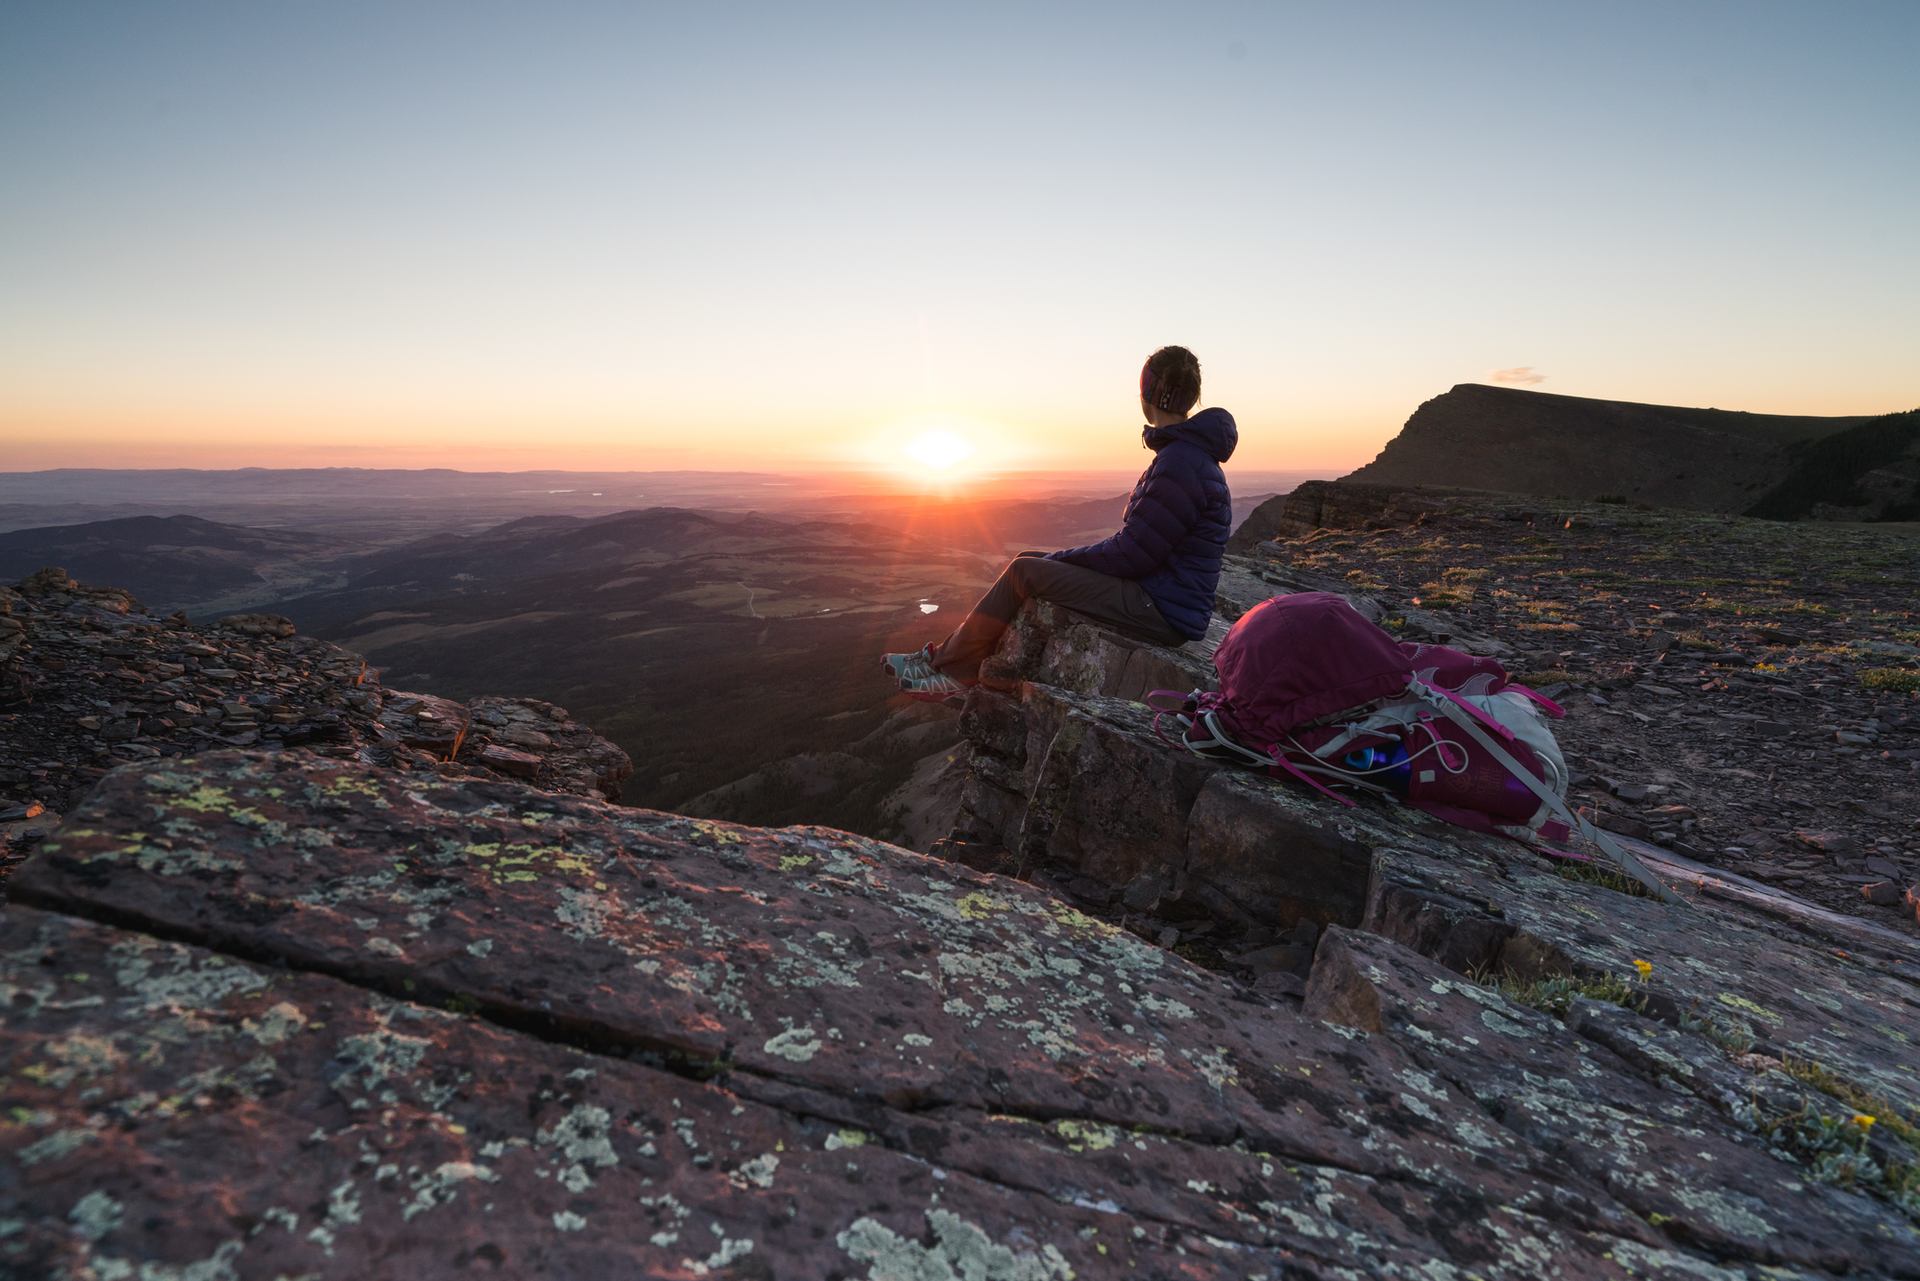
column 918, row 665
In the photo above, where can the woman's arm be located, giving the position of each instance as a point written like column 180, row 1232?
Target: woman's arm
column 1156, row 520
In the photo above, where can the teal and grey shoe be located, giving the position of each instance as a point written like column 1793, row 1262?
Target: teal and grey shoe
column 936, row 687
column 905, row 667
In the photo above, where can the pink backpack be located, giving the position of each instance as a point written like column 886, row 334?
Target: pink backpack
column 1311, row 690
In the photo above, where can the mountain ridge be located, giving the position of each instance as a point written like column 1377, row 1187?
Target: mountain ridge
column 1506, row 439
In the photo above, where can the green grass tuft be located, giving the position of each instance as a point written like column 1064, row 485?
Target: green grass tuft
column 1556, row 994
column 1604, row 875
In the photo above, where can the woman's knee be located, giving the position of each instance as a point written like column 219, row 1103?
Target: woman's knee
column 1024, row 570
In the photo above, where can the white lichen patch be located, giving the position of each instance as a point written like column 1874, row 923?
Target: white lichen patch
column 276, row 1025
column 796, row 1044
column 372, row 1059
column 826, row 960
column 1419, row 1108
column 960, row 1250
column 1423, row 1082
column 757, row 1173
column 1651, row 1261
column 343, row 1211
column 217, row 1266
column 582, row 1138
column 77, row 1056
column 161, row 976
column 669, row 1208
column 1495, row 1021
column 1215, row 1065
column 729, row 1252
column 56, row 1145
column 94, row 1215
column 583, row 914
column 1165, row 1007
column 1053, row 1033
column 440, row 1185
column 1723, row 1211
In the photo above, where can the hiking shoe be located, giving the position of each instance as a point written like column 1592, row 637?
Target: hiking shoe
column 936, row 687
column 905, row 667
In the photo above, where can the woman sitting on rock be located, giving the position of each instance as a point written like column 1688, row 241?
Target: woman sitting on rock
column 1154, row 579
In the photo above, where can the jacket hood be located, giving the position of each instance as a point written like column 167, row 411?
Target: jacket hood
column 1211, row 429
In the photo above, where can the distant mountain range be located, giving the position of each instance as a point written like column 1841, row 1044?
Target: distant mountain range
column 1776, row 465
column 205, row 566
column 385, row 507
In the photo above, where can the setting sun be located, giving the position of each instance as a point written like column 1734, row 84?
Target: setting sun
column 940, row 450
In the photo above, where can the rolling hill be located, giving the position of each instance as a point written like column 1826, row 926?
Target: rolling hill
column 179, row 562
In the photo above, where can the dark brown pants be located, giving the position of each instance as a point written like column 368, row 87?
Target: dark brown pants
column 1121, row 602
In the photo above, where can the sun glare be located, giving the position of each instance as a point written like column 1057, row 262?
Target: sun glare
column 934, row 453
column 940, row 451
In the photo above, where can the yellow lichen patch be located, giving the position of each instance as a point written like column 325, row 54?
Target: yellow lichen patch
column 795, row 862
column 513, row 863
column 1087, row 1136
column 978, row 906
column 206, row 799
column 1074, row 919
column 1733, row 1002
column 348, row 783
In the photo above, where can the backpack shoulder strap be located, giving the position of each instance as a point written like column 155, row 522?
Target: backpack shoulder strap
column 1457, row 712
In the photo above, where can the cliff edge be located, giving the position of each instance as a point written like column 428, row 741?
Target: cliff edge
column 90, row 678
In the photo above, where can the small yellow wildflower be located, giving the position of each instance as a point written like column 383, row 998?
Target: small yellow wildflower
column 1645, row 968
column 1864, row 1121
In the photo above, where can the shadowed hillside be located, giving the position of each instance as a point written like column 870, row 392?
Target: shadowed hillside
column 177, row 562
column 725, row 651
column 1529, row 442
column 1870, row 471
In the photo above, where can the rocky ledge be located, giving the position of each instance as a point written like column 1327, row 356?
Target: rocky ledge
column 280, row 1015
column 1744, row 692
column 89, row 679
column 1714, row 1071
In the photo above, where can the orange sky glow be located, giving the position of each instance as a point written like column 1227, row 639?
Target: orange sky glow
column 801, row 241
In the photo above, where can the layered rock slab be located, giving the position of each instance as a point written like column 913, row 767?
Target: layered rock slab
column 1128, row 1113
column 1745, row 987
column 1666, row 1142
column 1071, row 777
column 174, row 1112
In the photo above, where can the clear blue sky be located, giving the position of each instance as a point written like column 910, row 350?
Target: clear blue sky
column 728, row 234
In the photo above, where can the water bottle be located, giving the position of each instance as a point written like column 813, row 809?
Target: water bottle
column 1384, row 766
